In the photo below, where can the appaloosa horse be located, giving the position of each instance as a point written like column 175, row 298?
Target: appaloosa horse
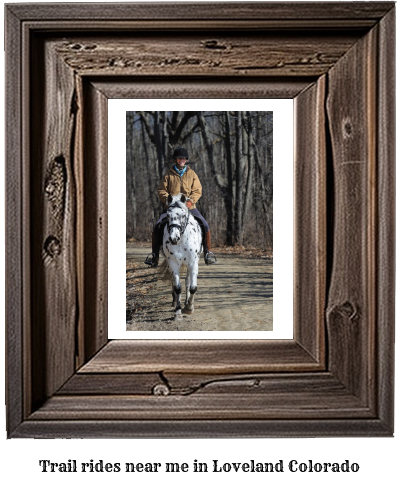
column 182, row 245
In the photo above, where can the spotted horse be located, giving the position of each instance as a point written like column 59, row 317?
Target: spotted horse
column 182, row 245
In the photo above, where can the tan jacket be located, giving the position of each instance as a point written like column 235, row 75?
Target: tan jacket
column 173, row 184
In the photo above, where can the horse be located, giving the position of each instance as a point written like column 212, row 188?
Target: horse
column 182, row 245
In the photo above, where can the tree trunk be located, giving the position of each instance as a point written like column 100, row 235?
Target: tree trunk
column 130, row 181
column 238, row 235
column 159, row 142
column 249, row 186
column 229, row 200
column 226, row 190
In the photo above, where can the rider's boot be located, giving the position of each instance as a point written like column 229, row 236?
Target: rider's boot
column 153, row 258
column 209, row 256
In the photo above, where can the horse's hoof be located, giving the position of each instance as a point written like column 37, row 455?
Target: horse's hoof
column 178, row 315
column 187, row 311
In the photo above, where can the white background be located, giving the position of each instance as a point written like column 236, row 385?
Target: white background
column 377, row 457
column 282, row 217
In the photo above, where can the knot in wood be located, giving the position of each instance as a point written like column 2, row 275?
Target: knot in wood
column 50, row 189
column 161, row 390
column 347, row 128
column 346, row 310
column 55, row 182
column 213, row 44
column 52, row 246
column 90, row 47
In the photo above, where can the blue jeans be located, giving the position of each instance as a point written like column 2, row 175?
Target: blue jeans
column 195, row 213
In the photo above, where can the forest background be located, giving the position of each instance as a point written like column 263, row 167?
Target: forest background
column 232, row 154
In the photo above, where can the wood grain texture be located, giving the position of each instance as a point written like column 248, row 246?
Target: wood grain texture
column 190, row 54
column 310, row 241
column 185, row 384
column 15, row 258
column 200, row 356
column 282, row 12
column 113, row 384
column 193, row 87
column 191, row 428
column 335, row 377
column 53, row 214
column 95, row 228
column 385, row 245
column 351, row 302
column 269, row 396
column 203, row 407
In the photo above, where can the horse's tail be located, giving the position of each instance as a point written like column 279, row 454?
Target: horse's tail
column 164, row 273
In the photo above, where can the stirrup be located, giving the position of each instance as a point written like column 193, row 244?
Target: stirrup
column 151, row 260
column 210, row 258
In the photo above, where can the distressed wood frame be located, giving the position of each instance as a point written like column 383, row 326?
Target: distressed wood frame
column 64, row 378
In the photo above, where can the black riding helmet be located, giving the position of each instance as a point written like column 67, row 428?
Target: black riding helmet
column 180, row 152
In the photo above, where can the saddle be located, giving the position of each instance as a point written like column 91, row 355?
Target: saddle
column 152, row 259
column 201, row 226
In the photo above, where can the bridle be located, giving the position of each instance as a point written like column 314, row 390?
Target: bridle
column 176, row 225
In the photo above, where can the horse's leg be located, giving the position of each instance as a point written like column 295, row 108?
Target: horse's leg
column 188, row 281
column 192, row 288
column 174, row 297
column 176, row 289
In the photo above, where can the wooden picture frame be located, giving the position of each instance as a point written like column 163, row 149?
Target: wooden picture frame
column 335, row 378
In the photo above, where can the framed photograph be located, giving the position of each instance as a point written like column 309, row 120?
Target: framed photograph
column 240, row 296
column 65, row 377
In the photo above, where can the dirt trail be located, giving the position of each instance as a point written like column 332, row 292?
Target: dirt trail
column 236, row 294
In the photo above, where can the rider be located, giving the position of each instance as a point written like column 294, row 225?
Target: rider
column 180, row 179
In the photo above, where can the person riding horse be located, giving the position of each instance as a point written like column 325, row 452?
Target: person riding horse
column 180, row 179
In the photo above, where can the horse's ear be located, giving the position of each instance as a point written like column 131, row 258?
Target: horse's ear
column 170, row 198
column 183, row 198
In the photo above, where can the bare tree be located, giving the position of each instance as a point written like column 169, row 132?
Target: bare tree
column 232, row 153
column 131, row 209
column 250, row 166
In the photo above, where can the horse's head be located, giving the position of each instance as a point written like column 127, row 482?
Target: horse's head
column 177, row 217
